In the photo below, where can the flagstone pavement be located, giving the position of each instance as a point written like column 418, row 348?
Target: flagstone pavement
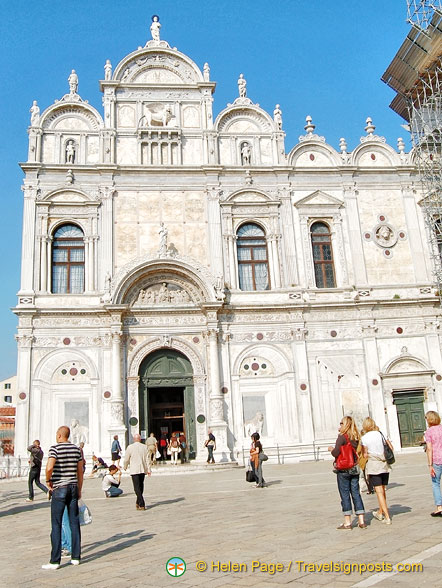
column 216, row 519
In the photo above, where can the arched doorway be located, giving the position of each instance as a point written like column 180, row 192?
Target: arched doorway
column 166, row 396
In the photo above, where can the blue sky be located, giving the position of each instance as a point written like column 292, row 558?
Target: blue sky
column 320, row 58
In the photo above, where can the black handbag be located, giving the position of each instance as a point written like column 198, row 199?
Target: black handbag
column 388, row 452
column 250, row 476
column 263, row 456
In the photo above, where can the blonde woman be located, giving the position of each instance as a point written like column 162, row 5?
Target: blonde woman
column 377, row 469
column 348, row 479
column 433, row 438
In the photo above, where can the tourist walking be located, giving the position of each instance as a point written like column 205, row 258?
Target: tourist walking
column 377, row 468
column 137, row 459
column 111, row 482
column 164, row 442
column 174, row 448
column 211, row 446
column 116, row 451
column 256, row 454
column 35, row 462
column 152, row 448
column 433, row 439
column 345, row 454
column 64, row 474
column 184, row 449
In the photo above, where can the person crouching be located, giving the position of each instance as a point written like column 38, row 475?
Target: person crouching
column 111, row 482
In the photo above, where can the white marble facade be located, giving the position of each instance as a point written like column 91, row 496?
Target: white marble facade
column 287, row 361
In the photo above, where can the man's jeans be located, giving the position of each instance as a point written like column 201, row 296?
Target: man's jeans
column 66, row 536
column 349, row 485
column 138, row 482
column 34, row 476
column 436, row 484
column 114, row 491
column 65, row 497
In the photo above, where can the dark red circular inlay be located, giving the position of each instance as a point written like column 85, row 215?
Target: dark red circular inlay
column 438, row 377
column 387, row 252
column 255, row 366
column 303, row 386
column 333, row 333
column 367, row 235
column 382, row 218
column 196, row 339
column 373, row 156
column 66, row 341
column 22, row 395
column 224, row 390
column 375, row 382
column 133, row 341
column 107, row 394
column 73, row 371
column 260, row 336
column 401, row 235
column 312, row 157
column 399, row 330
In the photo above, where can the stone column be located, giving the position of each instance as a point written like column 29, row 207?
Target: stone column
column 21, row 443
column 291, row 277
column 216, row 401
column 43, row 263
column 133, row 404
column 117, row 426
column 28, row 240
column 375, row 392
column 354, row 233
column 416, row 239
column 275, row 254
column 303, row 392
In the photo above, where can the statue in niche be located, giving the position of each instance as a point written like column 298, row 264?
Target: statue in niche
column 206, row 72
column 246, row 154
column 73, row 82
column 277, row 116
column 107, row 70
column 384, row 236
column 79, row 433
column 163, row 293
column 141, row 297
column 163, row 232
column 155, row 28
column 255, row 424
column 70, row 152
column 219, row 287
column 35, row 114
column 242, row 86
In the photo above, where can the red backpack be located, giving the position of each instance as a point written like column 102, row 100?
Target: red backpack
column 347, row 458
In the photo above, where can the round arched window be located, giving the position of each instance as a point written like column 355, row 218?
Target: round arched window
column 253, row 265
column 68, row 260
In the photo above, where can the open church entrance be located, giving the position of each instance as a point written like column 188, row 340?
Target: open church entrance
column 166, row 397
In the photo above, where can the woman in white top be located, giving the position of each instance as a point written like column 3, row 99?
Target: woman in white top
column 377, row 468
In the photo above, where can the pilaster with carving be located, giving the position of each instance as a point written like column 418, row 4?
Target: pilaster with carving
column 30, row 192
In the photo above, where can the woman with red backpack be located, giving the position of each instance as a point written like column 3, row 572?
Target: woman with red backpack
column 347, row 471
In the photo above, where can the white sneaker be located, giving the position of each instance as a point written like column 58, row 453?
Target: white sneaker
column 75, row 562
column 50, row 566
column 29, row 500
column 65, row 553
column 379, row 517
column 387, row 521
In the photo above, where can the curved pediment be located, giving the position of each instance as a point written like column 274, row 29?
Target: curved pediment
column 244, row 120
column 71, row 117
column 67, row 196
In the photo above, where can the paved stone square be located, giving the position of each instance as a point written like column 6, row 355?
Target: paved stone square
column 218, row 517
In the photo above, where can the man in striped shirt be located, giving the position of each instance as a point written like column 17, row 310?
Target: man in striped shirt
column 64, row 476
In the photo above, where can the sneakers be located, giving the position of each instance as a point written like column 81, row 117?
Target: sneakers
column 75, row 562
column 65, row 553
column 387, row 521
column 29, row 500
column 50, row 566
column 379, row 517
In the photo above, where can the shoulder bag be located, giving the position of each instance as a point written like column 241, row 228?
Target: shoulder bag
column 347, row 457
column 388, row 452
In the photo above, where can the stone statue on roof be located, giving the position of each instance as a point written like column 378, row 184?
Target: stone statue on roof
column 155, row 28
column 73, row 82
column 107, row 70
column 242, row 86
column 277, row 116
column 206, row 72
column 35, row 114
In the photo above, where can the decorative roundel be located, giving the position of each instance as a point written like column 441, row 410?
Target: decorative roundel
column 22, row 396
column 333, row 333
column 382, row 218
column 388, row 253
column 73, row 371
column 82, row 371
column 107, row 394
column 303, row 386
column 375, row 382
column 133, row 341
column 224, row 390
column 312, row 157
column 196, row 340
column 402, row 235
column 255, row 366
column 246, row 366
column 373, row 156
column 133, row 421
column 438, row 377
column 399, row 330
column 201, row 419
column 66, row 341
column 260, row 336
column 367, row 236
column 64, row 372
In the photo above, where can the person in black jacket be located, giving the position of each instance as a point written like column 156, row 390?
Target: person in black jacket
column 35, row 462
column 348, row 479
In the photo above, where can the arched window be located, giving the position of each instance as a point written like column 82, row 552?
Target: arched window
column 322, row 256
column 253, row 266
column 68, row 260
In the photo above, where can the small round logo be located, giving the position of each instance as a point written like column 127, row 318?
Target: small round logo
column 176, row 566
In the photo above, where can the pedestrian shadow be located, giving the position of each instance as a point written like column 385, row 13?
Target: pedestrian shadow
column 398, row 509
column 25, row 508
column 10, row 496
column 162, row 502
column 273, row 483
column 394, row 485
column 117, row 546
column 112, row 539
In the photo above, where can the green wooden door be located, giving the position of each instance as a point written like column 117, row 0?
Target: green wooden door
column 168, row 369
column 411, row 416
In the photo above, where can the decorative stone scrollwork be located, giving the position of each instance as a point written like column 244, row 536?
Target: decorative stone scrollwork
column 117, row 412
column 165, row 294
column 216, row 409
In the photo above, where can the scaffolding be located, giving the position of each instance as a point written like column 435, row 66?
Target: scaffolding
column 424, row 103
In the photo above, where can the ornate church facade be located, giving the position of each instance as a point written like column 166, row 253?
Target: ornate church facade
column 182, row 270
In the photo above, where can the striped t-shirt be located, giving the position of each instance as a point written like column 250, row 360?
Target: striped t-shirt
column 67, row 455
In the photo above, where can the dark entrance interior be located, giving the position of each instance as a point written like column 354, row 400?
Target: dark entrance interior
column 166, row 397
column 411, row 417
column 166, row 411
